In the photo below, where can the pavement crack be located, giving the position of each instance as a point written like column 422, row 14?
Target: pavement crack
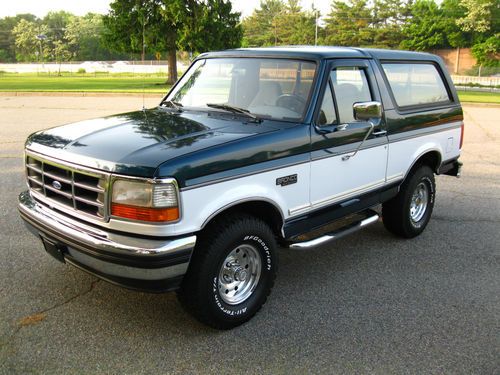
column 40, row 315
column 71, row 299
column 471, row 119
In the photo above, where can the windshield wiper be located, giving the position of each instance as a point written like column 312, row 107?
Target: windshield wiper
column 175, row 105
column 234, row 109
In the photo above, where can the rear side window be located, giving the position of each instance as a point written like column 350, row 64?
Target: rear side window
column 415, row 84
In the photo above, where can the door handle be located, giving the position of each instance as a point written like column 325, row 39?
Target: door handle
column 379, row 133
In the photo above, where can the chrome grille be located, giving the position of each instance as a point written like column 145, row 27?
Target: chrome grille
column 70, row 188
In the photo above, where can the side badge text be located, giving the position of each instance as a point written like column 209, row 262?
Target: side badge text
column 286, row 180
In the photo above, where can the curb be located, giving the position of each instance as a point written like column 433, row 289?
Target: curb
column 81, row 94
column 478, row 104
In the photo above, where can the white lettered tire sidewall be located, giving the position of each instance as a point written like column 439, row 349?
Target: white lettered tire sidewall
column 430, row 204
column 257, row 298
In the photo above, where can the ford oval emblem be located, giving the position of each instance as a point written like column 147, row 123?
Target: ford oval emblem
column 56, row 185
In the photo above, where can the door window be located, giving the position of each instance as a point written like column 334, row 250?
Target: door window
column 327, row 115
column 350, row 86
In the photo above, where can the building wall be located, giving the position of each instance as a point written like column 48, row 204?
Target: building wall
column 458, row 61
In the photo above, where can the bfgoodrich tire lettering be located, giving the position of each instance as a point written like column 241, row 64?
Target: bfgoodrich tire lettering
column 408, row 213
column 218, row 267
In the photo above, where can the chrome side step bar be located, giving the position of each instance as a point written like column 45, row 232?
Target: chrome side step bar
column 335, row 235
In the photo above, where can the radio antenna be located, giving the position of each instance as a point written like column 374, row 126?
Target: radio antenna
column 143, row 93
column 142, row 58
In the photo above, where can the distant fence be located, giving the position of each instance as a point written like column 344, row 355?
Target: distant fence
column 148, row 67
column 483, row 81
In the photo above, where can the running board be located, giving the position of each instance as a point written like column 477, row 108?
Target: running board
column 335, row 235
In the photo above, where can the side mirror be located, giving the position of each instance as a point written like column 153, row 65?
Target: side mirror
column 366, row 111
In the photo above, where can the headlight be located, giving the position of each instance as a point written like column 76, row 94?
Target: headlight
column 145, row 200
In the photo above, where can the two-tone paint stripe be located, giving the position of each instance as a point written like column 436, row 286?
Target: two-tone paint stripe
column 315, row 155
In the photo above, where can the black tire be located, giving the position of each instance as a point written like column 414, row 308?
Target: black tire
column 200, row 292
column 397, row 212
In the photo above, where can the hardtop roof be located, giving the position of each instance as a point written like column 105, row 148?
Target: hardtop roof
column 321, row 52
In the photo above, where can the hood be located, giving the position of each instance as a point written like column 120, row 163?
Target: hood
column 136, row 143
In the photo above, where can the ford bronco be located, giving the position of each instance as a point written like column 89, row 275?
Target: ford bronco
column 250, row 149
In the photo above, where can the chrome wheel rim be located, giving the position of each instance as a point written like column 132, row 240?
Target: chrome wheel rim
column 418, row 204
column 239, row 274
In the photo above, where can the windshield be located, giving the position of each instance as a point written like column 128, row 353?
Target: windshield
column 268, row 88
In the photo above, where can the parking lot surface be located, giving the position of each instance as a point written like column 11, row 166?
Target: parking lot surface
column 368, row 303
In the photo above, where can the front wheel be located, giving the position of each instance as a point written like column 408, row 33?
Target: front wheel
column 231, row 272
column 409, row 212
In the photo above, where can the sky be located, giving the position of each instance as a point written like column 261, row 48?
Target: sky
column 80, row 7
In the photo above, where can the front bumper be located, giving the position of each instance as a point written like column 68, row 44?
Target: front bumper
column 144, row 263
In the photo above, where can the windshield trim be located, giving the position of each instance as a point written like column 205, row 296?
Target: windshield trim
column 309, row 100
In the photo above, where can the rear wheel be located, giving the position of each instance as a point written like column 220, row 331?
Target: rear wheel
column 409, row 212
column 231, row 272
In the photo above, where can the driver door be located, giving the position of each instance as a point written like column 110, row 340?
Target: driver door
column 338, row 174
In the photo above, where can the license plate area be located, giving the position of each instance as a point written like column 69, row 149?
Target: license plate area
column 57, row 251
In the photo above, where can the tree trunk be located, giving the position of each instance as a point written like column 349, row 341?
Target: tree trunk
column 172, row 66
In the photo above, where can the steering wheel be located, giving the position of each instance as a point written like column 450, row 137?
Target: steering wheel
column 290, row 101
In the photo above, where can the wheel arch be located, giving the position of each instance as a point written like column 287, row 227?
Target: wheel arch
column 431, row 158
column 261, row 208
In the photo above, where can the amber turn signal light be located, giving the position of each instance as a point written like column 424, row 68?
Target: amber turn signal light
column 145, row 213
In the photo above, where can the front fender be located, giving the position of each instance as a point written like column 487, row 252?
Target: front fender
column 201, row 204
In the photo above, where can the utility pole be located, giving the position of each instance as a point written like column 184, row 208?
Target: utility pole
column 316, row 29
column 41, row 37
column 143, row 40
column 315, row 24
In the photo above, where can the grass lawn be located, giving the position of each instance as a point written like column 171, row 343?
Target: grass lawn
column 83, row 82
column 479, row 97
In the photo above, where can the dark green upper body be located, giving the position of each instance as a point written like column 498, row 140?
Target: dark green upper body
column 191, row 145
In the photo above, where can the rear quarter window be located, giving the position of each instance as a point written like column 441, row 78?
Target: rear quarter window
column 416, row 84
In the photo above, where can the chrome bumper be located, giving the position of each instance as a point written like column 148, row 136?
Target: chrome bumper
column 147, row 263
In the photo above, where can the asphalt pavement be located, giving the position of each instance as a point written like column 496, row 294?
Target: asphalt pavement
column 367, row 304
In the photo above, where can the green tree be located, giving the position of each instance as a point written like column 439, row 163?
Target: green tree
column 388, row 17
column 83, row 35
column 61, row 53
column 456, row 37
column 57, row 45
column 434, row 26
column 260, row 29
column 424, row 30
column 482, row 19
column 138, row 26
column 56, row 23
column 349, row 24
column 28, row 46
column 486, row 53
column 159, row 25
column 7, row 39
column 481, row 16
column 279, row 23
column 209, row 25
column 294, row 26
